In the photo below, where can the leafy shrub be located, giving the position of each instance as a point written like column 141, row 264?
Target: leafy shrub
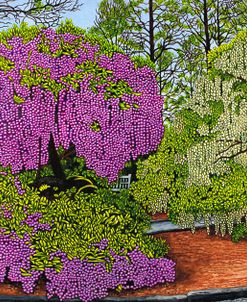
column 82, row 226
column 239, row 232
column 158, row 175
column 162, row 185
column 80, row 278
column 224, row 200
column 64, row 90
column 200, row 168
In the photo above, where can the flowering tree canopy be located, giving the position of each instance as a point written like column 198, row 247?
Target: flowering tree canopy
column 220, row 102
column 200, row 165
column 61, row 87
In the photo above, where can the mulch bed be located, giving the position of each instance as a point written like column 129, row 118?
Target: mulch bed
column 203, row 262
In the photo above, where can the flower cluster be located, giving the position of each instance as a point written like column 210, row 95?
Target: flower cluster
column 7, row 211
column 15, row 254
column 28, row 91
column 81, row 278
column 89, row 281
column 18, row 186
column 101, row 245
column 33, row 221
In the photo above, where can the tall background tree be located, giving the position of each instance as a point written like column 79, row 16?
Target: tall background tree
column 145, row 28
column 206, row 24
column 176, row 35
column 47, row 12
column 110, row 21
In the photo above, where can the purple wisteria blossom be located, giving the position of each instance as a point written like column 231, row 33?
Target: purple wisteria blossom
column 30, row 113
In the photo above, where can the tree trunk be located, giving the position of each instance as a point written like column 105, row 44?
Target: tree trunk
column 54, row 160
column 151, row 31
column 218, row 23
column 206, row 29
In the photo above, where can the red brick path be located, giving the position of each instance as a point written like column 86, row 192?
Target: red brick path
column 203, row 262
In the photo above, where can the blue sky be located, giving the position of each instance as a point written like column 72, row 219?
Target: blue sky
column 85, row 17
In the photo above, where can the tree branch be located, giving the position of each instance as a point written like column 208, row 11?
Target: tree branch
column 48, row 13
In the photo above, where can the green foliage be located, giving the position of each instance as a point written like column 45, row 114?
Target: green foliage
column 76, row 167
column 24, row 31
column 225, row 200
column 217, row 52
column 141, row 61
column 239, row 232
column 158, row 174
column 67, row 26
column 105, row 47
column 6, row 64
column 67, row 49
column 77, row 221
column 200, row 168
column 95, row 126
column 111, row 21
column 101, row 76
column 40, row 77
column 115, row 90
column 18, row 99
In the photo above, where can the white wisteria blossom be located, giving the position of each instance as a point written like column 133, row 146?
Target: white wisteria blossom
column 227, row 138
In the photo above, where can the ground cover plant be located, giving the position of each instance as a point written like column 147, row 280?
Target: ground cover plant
column 73, row 111
column 199, row 169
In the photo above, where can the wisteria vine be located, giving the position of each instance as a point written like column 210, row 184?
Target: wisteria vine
column 80, row 278
column 106, row 106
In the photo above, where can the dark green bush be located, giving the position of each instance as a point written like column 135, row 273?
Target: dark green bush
column 239, row 232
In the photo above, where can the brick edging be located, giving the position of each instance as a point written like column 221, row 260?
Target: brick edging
column 209, row 295
column 162, row 226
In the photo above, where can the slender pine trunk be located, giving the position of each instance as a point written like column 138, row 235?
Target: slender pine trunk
column 206, row 30
column 151, row 31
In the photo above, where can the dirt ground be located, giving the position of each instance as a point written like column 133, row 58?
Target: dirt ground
column 203, row 262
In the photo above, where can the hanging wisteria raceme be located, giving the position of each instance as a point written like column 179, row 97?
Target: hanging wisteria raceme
column 15, row 254
column 59, row 84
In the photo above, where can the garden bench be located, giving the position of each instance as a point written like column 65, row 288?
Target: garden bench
column 123, row 182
